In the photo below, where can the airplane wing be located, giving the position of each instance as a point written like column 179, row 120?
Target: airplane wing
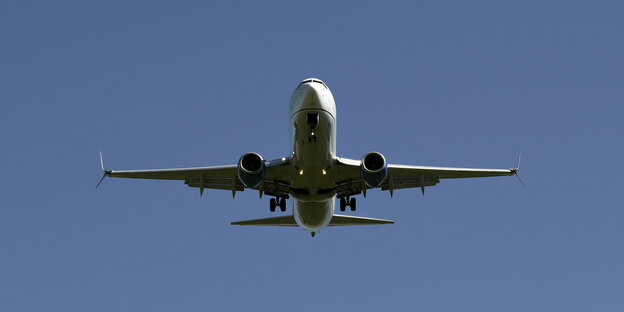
column 402, row 176
column 217, row 177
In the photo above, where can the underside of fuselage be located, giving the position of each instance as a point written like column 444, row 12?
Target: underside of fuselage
column 313, row 141
column 313, row 216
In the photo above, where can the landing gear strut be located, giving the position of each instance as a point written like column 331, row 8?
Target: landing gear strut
column 313, row 120
column 344, row 202
column 274, row 202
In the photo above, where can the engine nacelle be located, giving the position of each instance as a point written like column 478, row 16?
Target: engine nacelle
column 374, row 169
column 251, row 169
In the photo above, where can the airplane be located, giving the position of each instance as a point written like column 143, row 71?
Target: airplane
column 313, row 175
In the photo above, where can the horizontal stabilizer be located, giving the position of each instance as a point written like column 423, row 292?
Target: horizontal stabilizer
column 275, row 221
column 339, row 220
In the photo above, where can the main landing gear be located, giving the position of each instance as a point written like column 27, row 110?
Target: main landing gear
column 274, row 203
column 347, row 202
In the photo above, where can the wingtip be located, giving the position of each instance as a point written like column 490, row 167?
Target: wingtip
column 106, row 172
column 514, row 171
column 101, row 161
column 101, row 179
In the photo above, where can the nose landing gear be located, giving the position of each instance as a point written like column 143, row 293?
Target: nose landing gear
column 312, row 136
column 313, row 120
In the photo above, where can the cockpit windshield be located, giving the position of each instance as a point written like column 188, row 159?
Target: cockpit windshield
column 313, row 80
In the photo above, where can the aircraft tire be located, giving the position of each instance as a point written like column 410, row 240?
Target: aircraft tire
column 272, row 204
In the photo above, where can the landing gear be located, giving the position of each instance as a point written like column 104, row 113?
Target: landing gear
column 347, row 202
column 312, row 233
column 274, row 202
column 313, row 120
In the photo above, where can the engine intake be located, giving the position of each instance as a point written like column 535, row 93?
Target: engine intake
column 251, row 169
column 374, row 169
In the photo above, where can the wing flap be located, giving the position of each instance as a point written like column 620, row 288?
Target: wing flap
column 216, row 183
column 408, row 182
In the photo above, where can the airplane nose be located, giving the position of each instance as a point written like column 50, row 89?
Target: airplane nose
column 309, row 92
column 309, row 96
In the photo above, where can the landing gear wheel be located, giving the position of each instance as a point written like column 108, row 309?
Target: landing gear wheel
column 272, row 204
column 352, row 204
column 343, row 204
column 282, row 204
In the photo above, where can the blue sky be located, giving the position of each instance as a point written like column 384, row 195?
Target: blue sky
column 157, row 84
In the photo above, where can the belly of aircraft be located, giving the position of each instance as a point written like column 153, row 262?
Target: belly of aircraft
column 313, row 216
column 313, row 154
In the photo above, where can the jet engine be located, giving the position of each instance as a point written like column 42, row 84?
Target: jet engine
column 374, row 169
column 251, row 169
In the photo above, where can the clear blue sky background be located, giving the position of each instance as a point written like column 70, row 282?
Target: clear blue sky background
column 157, row 84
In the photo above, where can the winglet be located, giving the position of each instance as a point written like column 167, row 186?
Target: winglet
column 106, row 172
column 514, row 171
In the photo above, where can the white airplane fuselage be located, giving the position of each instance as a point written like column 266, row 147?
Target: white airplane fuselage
column 313, row 139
